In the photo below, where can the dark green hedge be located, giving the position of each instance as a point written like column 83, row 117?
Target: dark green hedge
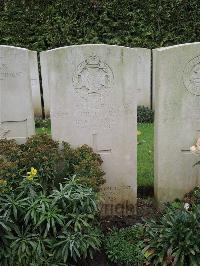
column 46, row 24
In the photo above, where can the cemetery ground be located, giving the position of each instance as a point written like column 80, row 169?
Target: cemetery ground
column 122, row 236
column 62, row 226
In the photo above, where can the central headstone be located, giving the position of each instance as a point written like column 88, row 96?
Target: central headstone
column 143, row 79
column 16, row 109
column 93, row 101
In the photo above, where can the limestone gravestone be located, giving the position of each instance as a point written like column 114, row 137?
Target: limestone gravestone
column 35, row 84
column 93, row 90
column 143, row 79
column 16, row 111
column 177, row 119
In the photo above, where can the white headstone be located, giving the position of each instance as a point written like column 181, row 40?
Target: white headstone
column 143, row 79
column 35, row 84
column 93, row 91
column 16, row 111
column 177, row 119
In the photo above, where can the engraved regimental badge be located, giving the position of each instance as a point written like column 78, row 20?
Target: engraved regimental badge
column 92, row 77
column 191, row 76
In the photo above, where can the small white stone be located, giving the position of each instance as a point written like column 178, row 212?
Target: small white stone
column 186, row 206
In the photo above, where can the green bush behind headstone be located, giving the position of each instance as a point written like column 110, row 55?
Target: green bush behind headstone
column 41, row 25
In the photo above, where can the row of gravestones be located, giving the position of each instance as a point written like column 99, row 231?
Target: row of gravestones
column 92, row 94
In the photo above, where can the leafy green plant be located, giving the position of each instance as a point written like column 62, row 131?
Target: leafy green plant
column 174, row 239
column 124, row 246
column 55, row 227
column 145, row 115
column 77, row 244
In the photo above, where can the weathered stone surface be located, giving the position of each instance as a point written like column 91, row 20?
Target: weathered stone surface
column 16, row 111
column 177, row 119
column 35, row 84
column 142, row 70
column 93, row 91
column 144, row 77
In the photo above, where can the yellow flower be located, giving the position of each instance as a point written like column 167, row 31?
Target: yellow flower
column 33, row 171
column 29, row 178
column 31, row 174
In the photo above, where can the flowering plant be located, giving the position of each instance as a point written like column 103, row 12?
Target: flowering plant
column 47, row 227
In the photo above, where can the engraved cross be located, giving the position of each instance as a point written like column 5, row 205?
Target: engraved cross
column 95, row 146
column 3, row 131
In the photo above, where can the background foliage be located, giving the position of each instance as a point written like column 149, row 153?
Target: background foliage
column 145, row 115
column 41, row 25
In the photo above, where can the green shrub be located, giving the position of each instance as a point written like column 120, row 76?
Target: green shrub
column 10, row 154
column 174, row 239
column 41, row 152
column 124, row 246
column 145, row 115
column 52, row 162
column 9, row 150
column 41, row 25
column 55, row 228
column 85, row 164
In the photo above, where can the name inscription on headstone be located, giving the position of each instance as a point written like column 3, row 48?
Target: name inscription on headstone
column 116, row 205
column 6, row 73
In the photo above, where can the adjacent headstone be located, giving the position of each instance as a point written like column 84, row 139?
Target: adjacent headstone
column 16, row 111
column 177, row 119
column 35, row 84
column 93, row 91
column 143, row 79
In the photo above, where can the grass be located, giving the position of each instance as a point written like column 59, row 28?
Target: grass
column 145, row 162
column 145, row 153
